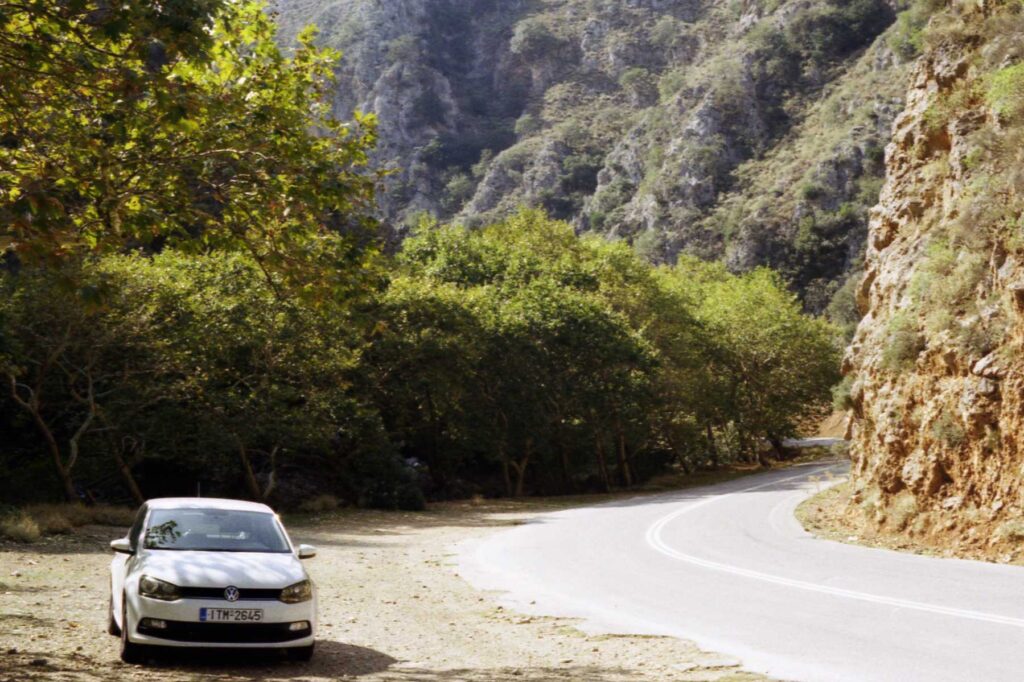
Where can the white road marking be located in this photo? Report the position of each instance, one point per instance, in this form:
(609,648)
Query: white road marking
(654,539)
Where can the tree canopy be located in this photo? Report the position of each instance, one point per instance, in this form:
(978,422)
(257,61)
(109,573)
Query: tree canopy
(146,125)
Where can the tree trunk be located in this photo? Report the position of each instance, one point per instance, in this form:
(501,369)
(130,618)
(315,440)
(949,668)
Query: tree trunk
(778,446)
(126,474)
(250,476)
(520,467)
(712,448)
(67,483)
(602,464)
(505,473)
(627,475)
(563,454)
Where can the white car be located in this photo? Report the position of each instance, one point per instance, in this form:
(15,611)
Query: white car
(201,572)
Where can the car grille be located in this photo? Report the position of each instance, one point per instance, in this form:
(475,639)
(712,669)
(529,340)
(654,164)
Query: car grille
(225,633)
(244,593)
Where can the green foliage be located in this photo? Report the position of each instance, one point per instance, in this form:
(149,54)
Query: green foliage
(404,49)
(640,85)
(834,28)
(842,309)
(1006,91)
(533,38)
(768,356)
(458,190)
(907,38)
(204,140)
(527,125)
(949,429)
(903,344)
(842,394)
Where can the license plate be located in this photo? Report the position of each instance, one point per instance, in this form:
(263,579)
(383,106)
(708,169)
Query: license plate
(207,615)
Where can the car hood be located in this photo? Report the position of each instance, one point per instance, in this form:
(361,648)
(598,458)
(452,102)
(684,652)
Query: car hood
(220,569)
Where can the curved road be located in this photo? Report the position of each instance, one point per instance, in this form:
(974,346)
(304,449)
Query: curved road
(730,567)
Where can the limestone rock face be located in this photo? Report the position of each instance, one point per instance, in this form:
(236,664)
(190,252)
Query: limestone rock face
(936,367)
(683,125)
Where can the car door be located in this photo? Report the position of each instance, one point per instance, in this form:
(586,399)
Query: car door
(120,565)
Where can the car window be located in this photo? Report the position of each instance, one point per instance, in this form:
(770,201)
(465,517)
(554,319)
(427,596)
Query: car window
(136,529)
(214,530)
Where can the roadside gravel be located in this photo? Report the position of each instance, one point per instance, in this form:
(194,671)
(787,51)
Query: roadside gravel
(392,607)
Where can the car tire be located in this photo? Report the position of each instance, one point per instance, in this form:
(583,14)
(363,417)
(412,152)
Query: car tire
(130,652)
(112,627)
(301,653)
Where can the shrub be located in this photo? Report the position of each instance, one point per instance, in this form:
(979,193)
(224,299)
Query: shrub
(458,190)
(1010,531)
(404,49)
(52,522)
(110,515)
(811,191)
(19,527)
(842,309)
(1006,91)
(903,346)
(533,39)
(841,394)
(527,124)
(319,504)
(948,429)
(671,82)
(640,85)
(61,518)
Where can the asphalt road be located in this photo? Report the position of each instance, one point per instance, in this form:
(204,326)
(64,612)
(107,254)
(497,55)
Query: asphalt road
(730,567)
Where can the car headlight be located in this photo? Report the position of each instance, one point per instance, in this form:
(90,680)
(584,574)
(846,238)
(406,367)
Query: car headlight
(155,588)
(299,592)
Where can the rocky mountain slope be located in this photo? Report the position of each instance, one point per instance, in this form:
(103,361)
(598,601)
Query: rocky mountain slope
(935,372)
(749,130)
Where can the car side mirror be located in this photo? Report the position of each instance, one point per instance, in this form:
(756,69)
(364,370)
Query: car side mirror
(307,551)
(122,546)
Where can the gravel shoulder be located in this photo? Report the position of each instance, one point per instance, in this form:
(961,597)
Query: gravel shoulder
(392,607)
(833,515)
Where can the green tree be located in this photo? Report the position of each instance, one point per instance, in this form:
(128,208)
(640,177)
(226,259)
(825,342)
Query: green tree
(770,363)
(185,124)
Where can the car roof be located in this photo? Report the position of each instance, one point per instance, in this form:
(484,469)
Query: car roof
(207,503)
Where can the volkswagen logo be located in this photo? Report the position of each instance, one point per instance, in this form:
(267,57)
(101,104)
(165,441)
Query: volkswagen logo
(231,593)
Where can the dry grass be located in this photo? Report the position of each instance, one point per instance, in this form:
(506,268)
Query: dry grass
(1010,531)
(319,504)
(32,522)
(76,515)
(20,527)
(900,523)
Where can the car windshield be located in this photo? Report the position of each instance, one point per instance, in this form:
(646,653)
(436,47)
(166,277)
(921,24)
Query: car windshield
(214,530)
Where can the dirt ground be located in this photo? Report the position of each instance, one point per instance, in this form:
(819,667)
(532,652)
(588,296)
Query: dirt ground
(392,607)
(831,515)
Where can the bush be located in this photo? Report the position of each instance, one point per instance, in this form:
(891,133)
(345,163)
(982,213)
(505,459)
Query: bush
(948,429)
(533,39)
(527,124)
(19,527)
(841,394)
(1010,531)
(61,518)
(1006,91)
(903,346)
(319,504)
(640,85)
(52,522)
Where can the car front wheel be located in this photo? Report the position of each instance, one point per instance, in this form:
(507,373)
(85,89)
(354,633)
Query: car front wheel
(130,652)
(300,653)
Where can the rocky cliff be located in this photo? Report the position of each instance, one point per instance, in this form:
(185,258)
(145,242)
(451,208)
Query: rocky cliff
(749,130)
(935,373)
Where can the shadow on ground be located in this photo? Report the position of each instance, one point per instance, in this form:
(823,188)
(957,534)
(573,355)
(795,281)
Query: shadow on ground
(333,660)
